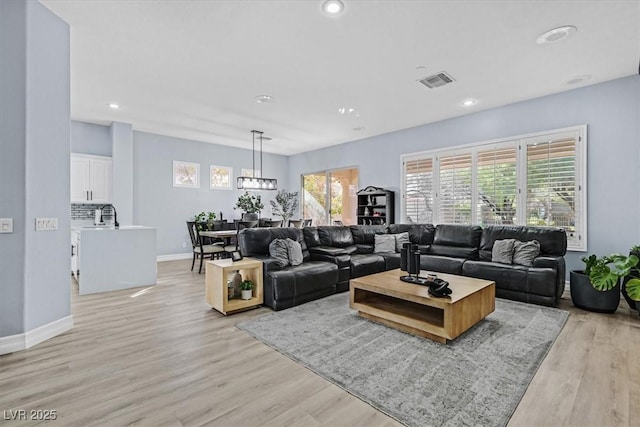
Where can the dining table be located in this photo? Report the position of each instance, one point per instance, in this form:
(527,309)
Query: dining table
(220,234)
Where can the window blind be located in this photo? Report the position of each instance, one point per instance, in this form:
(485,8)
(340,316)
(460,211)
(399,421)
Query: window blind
(418,206)
(496,183)
(454,195)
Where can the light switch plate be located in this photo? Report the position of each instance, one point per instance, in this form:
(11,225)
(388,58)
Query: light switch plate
(46,224)
(6,225)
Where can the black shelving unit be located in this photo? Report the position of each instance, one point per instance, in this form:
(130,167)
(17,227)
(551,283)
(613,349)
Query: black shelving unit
(375,206)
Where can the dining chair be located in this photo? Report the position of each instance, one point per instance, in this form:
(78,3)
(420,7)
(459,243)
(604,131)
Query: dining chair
(337,222)
(264,222)
(307,222)
(240,225)
(274,223)
(297,223)
(200,248)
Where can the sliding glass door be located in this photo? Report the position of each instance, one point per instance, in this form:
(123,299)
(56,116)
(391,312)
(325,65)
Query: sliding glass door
(329,197)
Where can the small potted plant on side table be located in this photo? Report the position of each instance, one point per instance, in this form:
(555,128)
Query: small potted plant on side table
(246,288)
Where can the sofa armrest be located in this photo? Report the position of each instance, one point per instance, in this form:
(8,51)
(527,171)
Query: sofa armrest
(268,263)
(546,262)
(341,261)
(327,250)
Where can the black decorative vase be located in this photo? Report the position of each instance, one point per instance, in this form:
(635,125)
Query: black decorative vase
(586,297)
(250,216)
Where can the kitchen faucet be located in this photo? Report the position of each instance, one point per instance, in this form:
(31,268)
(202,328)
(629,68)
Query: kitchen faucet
(115,215)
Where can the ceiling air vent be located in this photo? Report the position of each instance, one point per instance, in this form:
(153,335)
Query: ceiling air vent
(437,80)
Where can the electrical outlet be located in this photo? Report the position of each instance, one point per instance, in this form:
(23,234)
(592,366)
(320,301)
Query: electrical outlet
(46,224)
(6,225)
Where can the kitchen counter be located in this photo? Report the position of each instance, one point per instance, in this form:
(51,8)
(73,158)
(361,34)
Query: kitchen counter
(112,258)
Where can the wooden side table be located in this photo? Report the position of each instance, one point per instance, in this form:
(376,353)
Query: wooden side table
(220,271)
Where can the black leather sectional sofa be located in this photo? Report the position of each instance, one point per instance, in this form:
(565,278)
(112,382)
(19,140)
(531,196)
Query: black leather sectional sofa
(335,254)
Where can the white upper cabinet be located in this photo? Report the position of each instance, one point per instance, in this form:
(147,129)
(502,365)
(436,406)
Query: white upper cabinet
(90,179)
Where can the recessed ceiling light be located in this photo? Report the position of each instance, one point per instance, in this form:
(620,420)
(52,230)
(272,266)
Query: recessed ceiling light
(333,7)
(114,106)
(578,79)
(469,102)
(264,99)
(556,34)
(349,111)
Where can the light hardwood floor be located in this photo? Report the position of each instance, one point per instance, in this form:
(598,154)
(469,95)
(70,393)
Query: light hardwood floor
(162,357)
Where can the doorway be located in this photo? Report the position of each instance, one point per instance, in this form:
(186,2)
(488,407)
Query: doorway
(329,197)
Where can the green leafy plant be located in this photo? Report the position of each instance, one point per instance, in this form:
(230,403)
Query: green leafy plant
(246,285)
(633,284)
(604,272)
(285,205)
(249,203)
(635,249)
(203,219)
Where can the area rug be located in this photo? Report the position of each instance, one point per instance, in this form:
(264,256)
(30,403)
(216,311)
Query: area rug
(478,379)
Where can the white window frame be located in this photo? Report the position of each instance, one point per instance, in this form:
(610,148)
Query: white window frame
(230,173)
(196,184)
(577,243)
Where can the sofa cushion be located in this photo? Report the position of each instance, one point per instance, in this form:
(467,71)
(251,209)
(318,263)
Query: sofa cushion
(525,252)
(442,264)
(419,234)
(553,241)
(516,278)
(279,251)
(327,250)
(384,243)
(362,248)
(391,261)
(401,239)
(294,250)
(363,234)
(255,241)
(306,278)
(458,235)
(453,251)
(502,251)
(311,236)
(363,265)
(337,236)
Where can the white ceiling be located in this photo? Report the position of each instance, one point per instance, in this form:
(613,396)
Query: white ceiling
(192,69)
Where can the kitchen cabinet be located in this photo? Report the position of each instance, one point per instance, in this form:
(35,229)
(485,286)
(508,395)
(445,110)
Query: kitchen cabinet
(90,179)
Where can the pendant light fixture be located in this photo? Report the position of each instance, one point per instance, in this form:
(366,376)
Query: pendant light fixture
(254,182)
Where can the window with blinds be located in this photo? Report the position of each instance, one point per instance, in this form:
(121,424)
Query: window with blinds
(551,184)
(418,190)
(454,195)
(535,180)
(496,183)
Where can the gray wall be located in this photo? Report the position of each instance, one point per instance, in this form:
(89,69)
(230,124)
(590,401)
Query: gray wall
(89,138)
(34,266)
(611,110)
(157,203)
(13,39)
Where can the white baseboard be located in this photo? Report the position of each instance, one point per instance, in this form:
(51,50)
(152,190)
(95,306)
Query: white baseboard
(174,257)
(35,336)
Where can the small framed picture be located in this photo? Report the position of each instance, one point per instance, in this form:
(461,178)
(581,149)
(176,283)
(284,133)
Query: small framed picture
(236,256)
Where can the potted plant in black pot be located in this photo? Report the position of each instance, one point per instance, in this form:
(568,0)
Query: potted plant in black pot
(597,288)
(251,205)
(631,283)
(285,205)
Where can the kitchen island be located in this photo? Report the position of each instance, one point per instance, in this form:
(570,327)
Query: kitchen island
(112,258)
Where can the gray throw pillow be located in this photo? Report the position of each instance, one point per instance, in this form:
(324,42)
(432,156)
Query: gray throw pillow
(401,238)
(279,251)
(502,251)
(295,252)
(384,243)
(525,252)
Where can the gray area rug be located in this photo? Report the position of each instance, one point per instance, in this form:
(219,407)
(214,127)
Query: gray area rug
(478,379)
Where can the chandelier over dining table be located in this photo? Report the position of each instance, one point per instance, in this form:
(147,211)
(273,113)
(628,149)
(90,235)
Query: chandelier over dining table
(254,182)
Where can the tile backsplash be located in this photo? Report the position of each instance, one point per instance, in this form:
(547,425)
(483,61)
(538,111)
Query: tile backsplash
(83,211)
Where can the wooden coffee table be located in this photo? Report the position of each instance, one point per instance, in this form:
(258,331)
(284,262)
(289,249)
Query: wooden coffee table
(384,298)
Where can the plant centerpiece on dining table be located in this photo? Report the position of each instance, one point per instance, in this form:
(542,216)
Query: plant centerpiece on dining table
(249,204)
(285,205)
(204,220)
